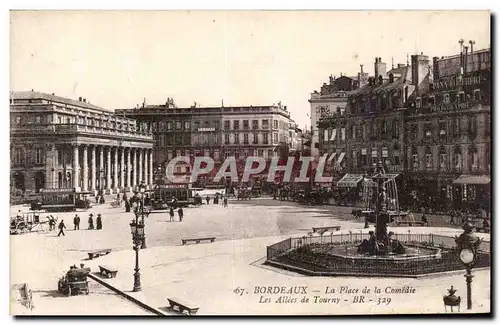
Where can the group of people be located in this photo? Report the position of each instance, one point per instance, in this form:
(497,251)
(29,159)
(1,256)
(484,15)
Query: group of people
(218,197)
(180,211)
(76,223)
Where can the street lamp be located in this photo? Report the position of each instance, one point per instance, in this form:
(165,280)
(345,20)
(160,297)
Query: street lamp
(140,210)
(468,244)
(137,230)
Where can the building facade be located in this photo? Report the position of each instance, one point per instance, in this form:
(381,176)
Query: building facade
(331,101)
(216,132)
(369,129)
(58,142)
(448,132)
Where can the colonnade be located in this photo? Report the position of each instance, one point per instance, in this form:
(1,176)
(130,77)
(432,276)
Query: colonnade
(111,168)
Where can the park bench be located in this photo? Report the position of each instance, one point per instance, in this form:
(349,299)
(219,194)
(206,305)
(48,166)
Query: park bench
(197,240)
(335,228)
(181,306)
(410,223)
(108,271)
(98,253)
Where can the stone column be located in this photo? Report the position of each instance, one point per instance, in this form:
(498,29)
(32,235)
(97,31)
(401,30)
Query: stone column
(85,173)
(129,167)
(115,168)
(101,167)
(122,169)
(108,169)
(145,176)
(93,170)
(76,167)
(139,170)
(134,168)
(151,172)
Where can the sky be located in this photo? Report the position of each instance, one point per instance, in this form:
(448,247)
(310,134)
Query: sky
(115,59)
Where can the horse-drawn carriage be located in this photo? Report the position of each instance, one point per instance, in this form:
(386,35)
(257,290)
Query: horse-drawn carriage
(74,282)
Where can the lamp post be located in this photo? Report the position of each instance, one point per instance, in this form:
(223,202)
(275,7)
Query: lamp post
(468,244)
(137,230)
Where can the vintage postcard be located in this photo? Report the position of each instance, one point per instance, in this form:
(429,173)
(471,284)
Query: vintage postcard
(169,163)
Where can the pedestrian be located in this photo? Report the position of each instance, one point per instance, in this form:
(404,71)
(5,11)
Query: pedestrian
(424,220)
(61,228)
(225,202)
(181,214)
(171,213)
(98,222)
(91,221)
(76,222)
(452,217)
(208,200)
(52,223)
(118,199)
(97,199)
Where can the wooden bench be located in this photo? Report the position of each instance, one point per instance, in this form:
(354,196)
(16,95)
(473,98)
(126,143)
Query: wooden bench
(108,271)
(181,306)
(410,223)
(98,253)
(486,230)
(316,229)
(197,240)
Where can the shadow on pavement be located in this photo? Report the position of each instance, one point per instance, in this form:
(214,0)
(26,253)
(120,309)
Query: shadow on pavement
(51,293)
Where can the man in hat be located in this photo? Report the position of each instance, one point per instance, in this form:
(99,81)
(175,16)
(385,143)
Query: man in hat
(98,222)
(91,221)
(61,228)
(76,222)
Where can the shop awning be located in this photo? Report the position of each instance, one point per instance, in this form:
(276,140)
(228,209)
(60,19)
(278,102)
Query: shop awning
(473,179)
(350,180)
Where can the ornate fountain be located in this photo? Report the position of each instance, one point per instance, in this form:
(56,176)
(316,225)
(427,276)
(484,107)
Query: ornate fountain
(381,242)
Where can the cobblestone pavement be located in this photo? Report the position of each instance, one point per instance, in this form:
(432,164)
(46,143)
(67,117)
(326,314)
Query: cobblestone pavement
(205,274)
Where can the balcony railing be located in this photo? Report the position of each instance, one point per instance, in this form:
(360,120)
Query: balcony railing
(70,128)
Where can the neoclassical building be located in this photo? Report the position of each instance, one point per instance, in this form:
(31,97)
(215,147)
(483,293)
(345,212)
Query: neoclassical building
(58,142)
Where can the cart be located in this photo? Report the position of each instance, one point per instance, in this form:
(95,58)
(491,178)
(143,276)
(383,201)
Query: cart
(74,282)
(28,222)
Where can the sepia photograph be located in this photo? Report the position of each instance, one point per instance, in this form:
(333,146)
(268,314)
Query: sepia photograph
(250,162)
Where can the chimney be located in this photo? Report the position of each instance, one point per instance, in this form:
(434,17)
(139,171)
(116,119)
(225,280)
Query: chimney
(85,100)
(465,58)
(419,68)
(380,68)
(361,68)
(79,99)
(472,49)
(435,70)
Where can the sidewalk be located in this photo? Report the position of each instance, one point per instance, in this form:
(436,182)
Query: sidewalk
(205,275)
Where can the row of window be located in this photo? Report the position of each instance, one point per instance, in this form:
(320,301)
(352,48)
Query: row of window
(246,138)
(78,120)
(453,128)
(384,130)
(18,156)
(246,124)
(448,98)
(472,161)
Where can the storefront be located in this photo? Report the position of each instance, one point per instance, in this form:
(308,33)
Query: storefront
(472,192)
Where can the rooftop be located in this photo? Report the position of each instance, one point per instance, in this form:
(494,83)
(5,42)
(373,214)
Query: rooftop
(27,95)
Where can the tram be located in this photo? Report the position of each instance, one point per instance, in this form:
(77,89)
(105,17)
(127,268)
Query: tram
(161,197)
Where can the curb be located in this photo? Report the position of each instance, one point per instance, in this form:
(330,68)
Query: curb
(135,301)
(347,274)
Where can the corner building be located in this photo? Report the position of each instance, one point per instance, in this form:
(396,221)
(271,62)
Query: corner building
(61,143)
(216,132)
(448,134)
